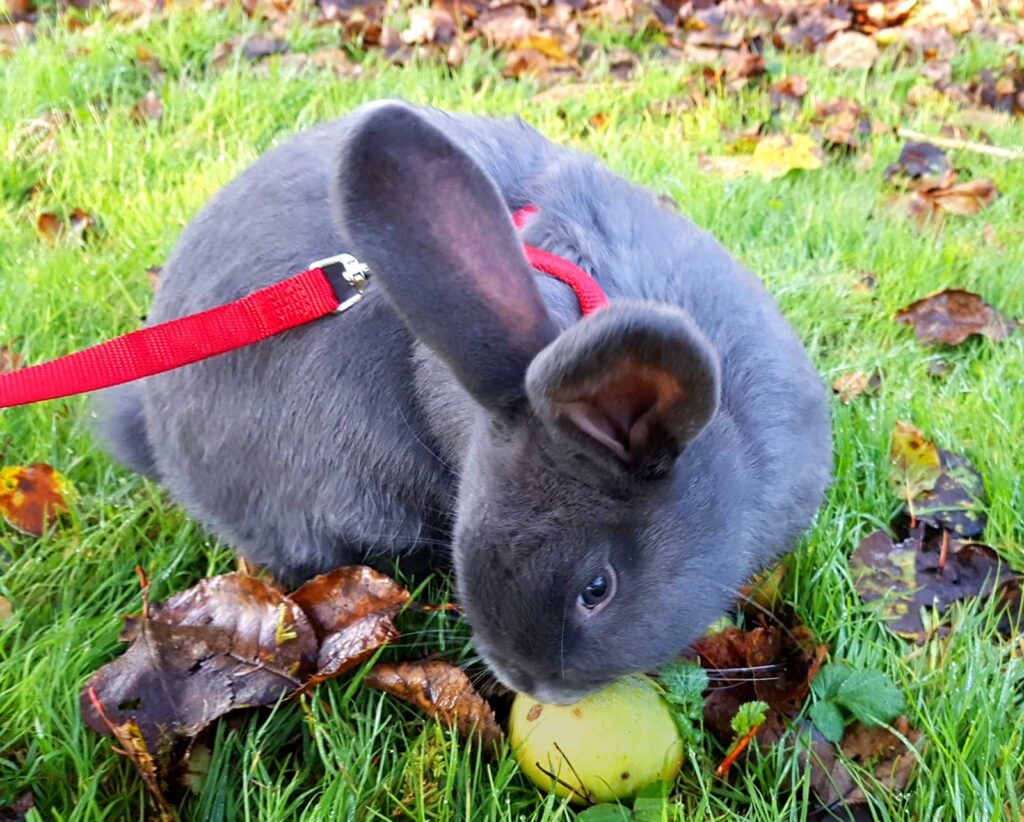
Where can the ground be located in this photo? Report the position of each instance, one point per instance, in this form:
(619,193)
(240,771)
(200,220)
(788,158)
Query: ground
(812,236)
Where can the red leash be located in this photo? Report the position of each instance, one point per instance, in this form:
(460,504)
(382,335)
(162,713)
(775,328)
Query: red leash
(300,299)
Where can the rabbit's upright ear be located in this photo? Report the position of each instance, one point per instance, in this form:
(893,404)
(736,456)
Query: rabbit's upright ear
(630,385)
(439,239)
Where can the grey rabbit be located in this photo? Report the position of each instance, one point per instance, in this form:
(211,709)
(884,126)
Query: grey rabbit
(604,484)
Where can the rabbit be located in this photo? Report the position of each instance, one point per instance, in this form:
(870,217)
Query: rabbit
(601,485)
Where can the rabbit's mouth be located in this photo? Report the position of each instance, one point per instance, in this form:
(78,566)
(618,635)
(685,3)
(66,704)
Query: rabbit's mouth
(551,690)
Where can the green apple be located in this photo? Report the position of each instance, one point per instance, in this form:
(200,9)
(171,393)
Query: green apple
(605,747)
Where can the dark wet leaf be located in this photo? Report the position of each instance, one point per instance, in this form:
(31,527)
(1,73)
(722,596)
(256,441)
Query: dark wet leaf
(259,46)
(906,577)
(919,160)
(953,315)
(32,497)
(18,810)
(442,690)
(230,642)
(957,501)
(352,610)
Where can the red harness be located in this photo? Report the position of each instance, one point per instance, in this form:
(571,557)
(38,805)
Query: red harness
(328,286)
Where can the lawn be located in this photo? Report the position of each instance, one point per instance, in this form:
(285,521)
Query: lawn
(350,753)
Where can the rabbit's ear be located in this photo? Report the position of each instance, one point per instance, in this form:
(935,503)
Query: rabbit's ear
(440,241)
(630,384)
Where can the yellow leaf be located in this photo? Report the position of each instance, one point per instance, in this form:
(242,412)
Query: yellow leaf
(915,464)
(778,154)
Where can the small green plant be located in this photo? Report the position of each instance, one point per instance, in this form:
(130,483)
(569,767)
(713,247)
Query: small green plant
(842,693)
(685,684)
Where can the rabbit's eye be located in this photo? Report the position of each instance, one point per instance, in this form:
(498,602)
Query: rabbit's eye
(598,590)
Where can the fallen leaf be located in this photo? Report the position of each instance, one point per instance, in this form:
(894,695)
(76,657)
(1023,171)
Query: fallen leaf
(229,642)
(6,610)
(10,360)
(850,50)
(442,690)
(905,577)
(778,154)
(150,107)
(32,497)
(914,465)
(773,663)
(505,26)
(352,611)
(773,156)
(919,159)
(18,811)
(258,46)
(956,503)
(877,749)
(842,123)
(429,25)
(951,316)
(791,89)
(49,226)
(133,747)
(933,199)
(855,383)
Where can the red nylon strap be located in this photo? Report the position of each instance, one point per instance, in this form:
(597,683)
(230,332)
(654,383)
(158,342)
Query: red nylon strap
(149,351)
(298,300)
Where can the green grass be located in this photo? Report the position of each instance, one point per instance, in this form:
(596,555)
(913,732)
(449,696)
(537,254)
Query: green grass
(355,754)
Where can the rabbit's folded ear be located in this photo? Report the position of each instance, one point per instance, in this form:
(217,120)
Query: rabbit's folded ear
(439,239)
(630,385)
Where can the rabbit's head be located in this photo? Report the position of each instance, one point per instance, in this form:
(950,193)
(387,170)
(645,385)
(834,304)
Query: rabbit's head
(592,525)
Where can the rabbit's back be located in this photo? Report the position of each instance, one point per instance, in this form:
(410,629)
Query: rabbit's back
(314,448)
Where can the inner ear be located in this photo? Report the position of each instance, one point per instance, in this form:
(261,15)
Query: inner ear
(622,413)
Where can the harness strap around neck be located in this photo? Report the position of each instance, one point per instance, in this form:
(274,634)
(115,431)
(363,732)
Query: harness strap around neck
(298,300)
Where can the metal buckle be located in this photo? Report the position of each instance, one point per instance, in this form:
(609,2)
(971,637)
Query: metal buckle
(353,274)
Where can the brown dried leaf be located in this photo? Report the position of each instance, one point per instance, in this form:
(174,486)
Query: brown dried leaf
(49,226)
(429,25)
(10,360)
(850,50)
(33,497)
(774,663)
(229,642)
(6,609)
(905,577)
(150,107)
(791,89)
(951,316)
(443,691)
(352,611)
(505,26)
(877,749)
(855,383)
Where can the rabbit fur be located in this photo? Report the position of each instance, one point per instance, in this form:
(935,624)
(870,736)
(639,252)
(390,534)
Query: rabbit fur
(603,485)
